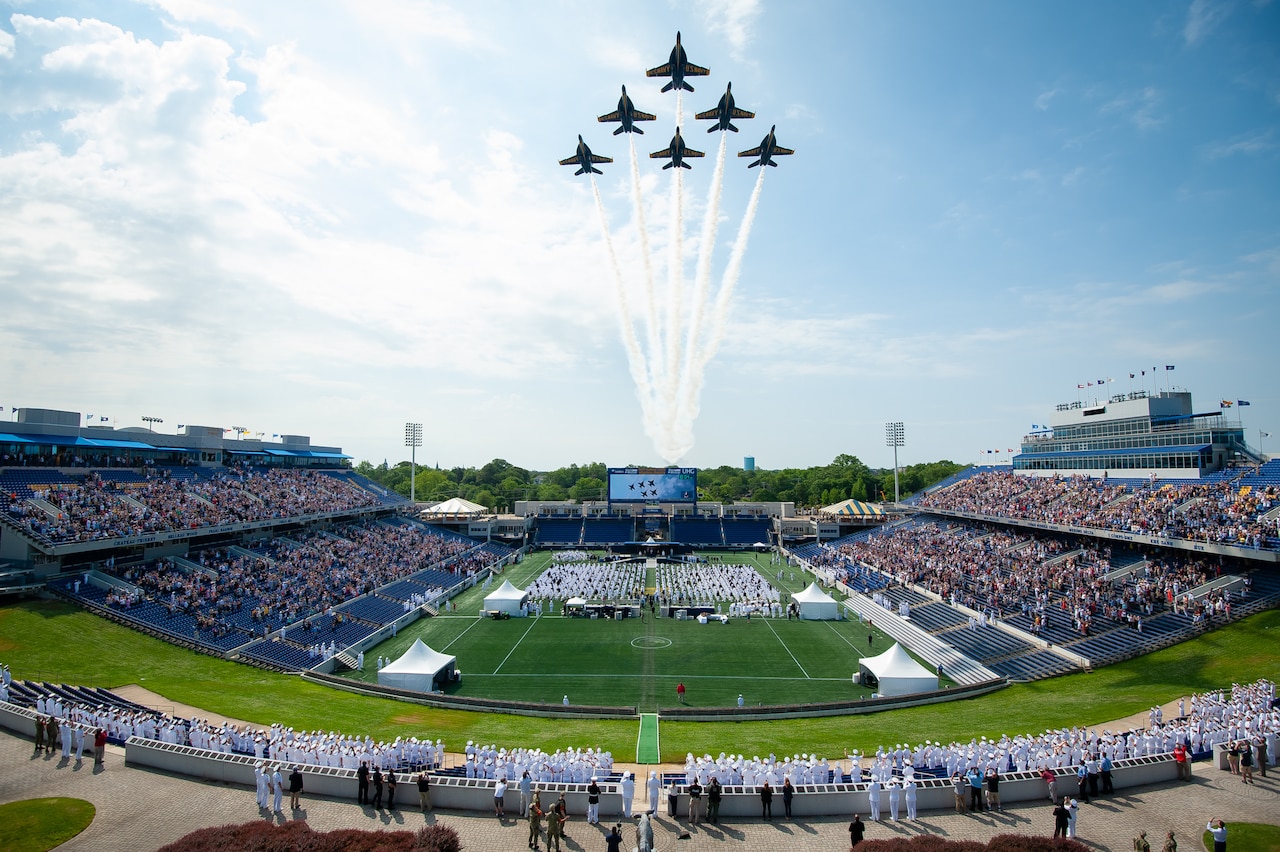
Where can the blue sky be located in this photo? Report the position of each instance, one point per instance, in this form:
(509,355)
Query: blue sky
(329,219)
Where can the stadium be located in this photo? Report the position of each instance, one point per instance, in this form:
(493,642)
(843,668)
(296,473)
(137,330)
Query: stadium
(651,609)
(776,231)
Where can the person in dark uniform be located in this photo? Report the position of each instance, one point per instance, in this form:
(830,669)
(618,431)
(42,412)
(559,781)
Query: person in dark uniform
(362,783)
(788,793)
(857,829)
(766,802)
(391,790)
(377,788)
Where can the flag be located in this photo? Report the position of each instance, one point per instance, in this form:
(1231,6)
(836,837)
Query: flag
(1168,366)
(88,417)
(1109,379)
(1242,402)
(1226,403)
(1144,372)
(1132,376)
(182,425)
(1011,451)
(1265,434)
(1102,381)
(103,419)
(1079,386)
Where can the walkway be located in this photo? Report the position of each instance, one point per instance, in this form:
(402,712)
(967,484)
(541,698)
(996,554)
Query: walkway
(142,810)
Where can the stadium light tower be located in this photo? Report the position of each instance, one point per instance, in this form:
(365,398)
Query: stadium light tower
(151,422)
(413,440)
(895,437)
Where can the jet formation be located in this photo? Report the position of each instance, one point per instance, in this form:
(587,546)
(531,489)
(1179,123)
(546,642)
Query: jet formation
(724,112)
(677,68)
(766,151)
(583,159)
(676,152)
(628,115)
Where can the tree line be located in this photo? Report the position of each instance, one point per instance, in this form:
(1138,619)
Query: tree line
(499,484)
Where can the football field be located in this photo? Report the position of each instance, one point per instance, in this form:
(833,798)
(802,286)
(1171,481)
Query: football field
(639,661)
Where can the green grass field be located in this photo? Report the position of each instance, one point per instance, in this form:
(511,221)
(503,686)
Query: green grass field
(638,661)
(43,640)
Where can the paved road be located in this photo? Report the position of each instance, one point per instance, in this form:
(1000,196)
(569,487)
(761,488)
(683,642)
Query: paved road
(142,810)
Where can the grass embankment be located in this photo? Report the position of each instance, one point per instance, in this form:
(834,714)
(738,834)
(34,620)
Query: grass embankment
(34,825)
(59,642)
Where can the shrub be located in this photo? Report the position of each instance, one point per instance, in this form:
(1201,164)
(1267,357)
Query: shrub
(1032,843)
(262,836)
(438,838)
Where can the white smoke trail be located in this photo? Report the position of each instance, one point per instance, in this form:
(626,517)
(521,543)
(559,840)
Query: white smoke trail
(635,357)
(692,402)
(702,278)
(653,334)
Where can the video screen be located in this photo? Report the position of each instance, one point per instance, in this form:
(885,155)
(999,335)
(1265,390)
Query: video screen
(653,485)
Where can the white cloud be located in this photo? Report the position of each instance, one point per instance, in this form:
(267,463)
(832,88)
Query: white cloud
(1203,16)
(6,44)
(1043,99)
(1141,107)
(1253,143)
(733,19)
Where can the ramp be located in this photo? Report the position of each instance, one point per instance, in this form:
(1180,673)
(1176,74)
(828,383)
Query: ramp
(647,743)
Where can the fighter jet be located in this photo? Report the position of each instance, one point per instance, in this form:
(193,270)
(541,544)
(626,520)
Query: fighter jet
(627,113)
(723,112)
(583,159)
(766,151)
(677,68)
(677,152)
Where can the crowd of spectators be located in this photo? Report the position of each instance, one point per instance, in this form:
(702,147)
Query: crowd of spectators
(98,508)
(1001,573)
(297,582)
(1221,512)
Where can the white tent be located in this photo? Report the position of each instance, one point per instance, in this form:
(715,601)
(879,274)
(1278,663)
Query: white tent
(506,598)
(455,506)
(816,605)
(419,668)
(896,673)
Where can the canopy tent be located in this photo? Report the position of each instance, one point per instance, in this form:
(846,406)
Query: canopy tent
(816,605)
(895,673)
(456,506)
(506,598)
(419,668)
(853,509)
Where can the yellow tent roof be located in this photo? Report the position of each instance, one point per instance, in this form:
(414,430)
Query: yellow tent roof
(854,508)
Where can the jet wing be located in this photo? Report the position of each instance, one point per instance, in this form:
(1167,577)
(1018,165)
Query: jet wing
(781,152)
(739,113)
(712,114)
(596,158)
(664,154)
(637,115)
(754,152)
(569,161)
(662,71)
(691,70)
(689,152)
(616,115)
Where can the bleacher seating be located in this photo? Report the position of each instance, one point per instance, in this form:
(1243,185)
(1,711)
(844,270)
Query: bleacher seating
(601,532)
(744,532)
(559,532)
(699,532)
